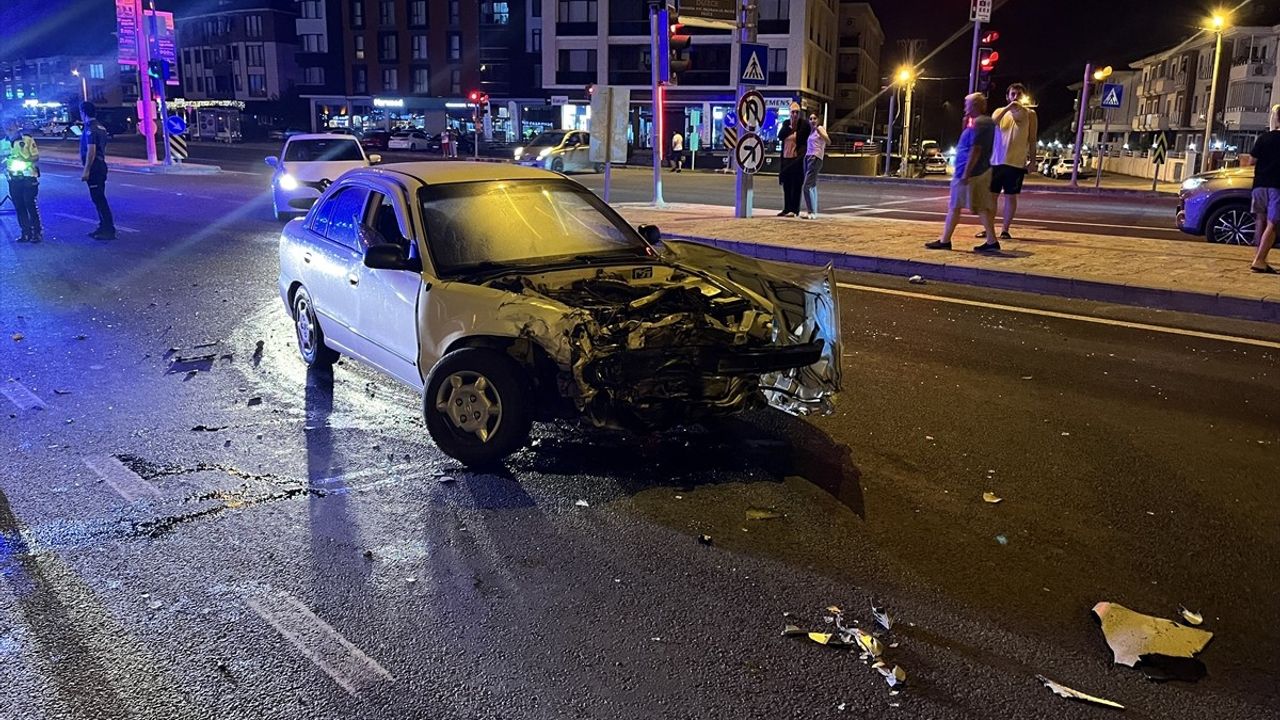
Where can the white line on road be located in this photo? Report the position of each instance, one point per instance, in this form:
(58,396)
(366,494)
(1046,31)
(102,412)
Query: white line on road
(127,483)
(318,641)
(20,396)
(82,219)
(1068,316)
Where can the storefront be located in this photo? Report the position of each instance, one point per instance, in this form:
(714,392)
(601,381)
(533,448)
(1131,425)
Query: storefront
(507,121)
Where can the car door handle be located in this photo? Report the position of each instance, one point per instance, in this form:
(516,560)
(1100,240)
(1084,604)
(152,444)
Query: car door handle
(306,257)
(354,280)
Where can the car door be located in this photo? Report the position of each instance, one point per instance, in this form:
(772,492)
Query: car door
(331,264)
(578,155)
(388,299)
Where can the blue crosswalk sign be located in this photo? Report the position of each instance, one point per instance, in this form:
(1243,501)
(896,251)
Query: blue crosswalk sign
(753,64)
(1112,95)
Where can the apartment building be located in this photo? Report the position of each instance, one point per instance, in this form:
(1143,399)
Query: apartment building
(587,42)
(858,43)
(246,52)
(1113,126)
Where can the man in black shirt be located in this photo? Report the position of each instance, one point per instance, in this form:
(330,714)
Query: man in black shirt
(1266,191)
(93,155)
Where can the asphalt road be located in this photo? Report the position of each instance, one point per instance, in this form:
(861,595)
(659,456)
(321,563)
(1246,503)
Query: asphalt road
(251,541)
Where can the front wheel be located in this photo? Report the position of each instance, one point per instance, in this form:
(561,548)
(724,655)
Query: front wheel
(476,406)
(1232,225)
(557,165)
(307,329)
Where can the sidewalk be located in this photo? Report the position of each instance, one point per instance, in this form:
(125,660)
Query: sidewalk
(1035,182)
(72,156)
(1184,276)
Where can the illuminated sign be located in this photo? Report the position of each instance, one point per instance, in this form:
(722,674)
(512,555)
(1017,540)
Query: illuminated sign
(388,102)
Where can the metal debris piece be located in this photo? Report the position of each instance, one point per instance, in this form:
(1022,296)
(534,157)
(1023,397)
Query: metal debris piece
(1131,635)
(916,280)
(990,497)
(868,643)
(882,616)
(1066,692)
(1192,618)
(583,503)
(895,675)
(760,513)
(704,539)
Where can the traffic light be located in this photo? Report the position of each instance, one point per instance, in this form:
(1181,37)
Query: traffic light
(988,56)
(677,46)
(158,69)
(474,97)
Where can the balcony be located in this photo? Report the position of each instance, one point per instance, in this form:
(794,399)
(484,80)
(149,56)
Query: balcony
(1255,71)
(1246,118)
(1147,122)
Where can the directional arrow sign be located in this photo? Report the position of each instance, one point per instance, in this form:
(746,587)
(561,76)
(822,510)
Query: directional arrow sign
(751,109)
(750,153)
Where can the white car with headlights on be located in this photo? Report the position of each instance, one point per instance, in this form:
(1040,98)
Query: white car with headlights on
(306,166)
(559,151)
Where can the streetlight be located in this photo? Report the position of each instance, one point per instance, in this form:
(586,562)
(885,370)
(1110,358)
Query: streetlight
(84,86)
(1218,23)
(906,77)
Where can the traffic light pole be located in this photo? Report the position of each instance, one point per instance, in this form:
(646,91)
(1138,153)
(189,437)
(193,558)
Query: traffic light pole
(160,89)
(1084,107)
(744,182)
(148,115)
(973,58)
(659,22)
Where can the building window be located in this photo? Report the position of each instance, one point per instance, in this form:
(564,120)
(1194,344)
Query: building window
(313,76)
(359,46)
(455,82)
(387,47)
(360,79)
(257,85)
(495,13)
(389,79)
(421,80)
(455,15)
(357,14)
(455,47)
(253,56)
(777,66)
(96,71)
(239,84)
(537,8)
(200,83)
(311,9)
(419,47)
(535,40)
(253,26)
(577,11)
(314,44)
(418,12)
(576,66)
(387,12)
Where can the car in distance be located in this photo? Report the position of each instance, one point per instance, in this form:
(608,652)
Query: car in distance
(375,140)
(559,151)
(1217,205)
(506,294)
(307,165)
(408,140)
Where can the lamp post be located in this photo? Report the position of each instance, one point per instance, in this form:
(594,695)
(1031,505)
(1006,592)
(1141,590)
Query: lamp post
(84,86)
(1217,23)
(907,77)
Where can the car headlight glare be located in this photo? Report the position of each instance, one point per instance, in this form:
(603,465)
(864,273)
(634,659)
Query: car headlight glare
(1193,182)
(544,153)
(288,182)
(519,152)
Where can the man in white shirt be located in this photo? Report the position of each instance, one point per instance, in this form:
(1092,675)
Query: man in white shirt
(677,152)
(1013,153)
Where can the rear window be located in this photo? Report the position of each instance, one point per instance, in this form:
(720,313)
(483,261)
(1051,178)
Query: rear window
(327,149)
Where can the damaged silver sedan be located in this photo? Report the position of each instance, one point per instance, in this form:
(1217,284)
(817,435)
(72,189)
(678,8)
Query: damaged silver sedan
(508,295)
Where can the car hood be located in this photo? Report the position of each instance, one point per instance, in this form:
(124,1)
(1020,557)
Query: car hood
(316,171)
(1228,174)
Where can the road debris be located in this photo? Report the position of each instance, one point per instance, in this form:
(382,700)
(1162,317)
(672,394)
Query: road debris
(208,428)
(445,479)
(1002,539)
(1068,693)
(881,616)
(583,503)
(895,675)
(1192,618)
(792,630)
(990,497)
(704,539)
(1132,635)
(760,513)
(59,391)
(916,280)
(17,337)
(254,401)
(869,644)
(871,649)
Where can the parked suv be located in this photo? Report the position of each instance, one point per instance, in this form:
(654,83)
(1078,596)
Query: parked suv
(1216,205)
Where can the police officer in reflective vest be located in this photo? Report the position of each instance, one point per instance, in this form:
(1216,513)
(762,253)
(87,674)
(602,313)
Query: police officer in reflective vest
(23,171)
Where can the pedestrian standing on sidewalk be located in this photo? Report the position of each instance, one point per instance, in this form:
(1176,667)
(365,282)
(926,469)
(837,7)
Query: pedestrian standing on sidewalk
(817,149)
(677,152)
(787,137)
(1266,191)
(93,155)
(792,172)
(23,170)
(1015,150)
(971,184)
(445,142)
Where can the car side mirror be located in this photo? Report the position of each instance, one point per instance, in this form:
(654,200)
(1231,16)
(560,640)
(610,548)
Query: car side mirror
(375,159)
(390,256)
(302,203)
(651,234)
(272,160)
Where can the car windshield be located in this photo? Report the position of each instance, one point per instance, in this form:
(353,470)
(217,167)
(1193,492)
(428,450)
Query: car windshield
(521,223)
(328,149)
(547,139)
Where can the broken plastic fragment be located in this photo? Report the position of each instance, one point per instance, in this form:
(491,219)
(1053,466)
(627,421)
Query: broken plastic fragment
(821,638)
(868,643)
(916,280)
(704,539)
(895,676)
(792,630)
(835,610)
(990,497)
(1131,635)
(17,337)
(882,616)
(1066,692)
(445,479)
(583,503)
(1002,539)
(759,513)
(1192,618)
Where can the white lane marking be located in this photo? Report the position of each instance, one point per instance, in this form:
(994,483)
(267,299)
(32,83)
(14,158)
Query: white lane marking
(319,642)
(83,219)
(131,185)
(1068,316)
(127,483)
(193,195)
(20,396)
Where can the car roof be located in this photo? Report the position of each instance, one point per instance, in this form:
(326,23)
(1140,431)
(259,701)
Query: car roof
(319,136)
(440,173)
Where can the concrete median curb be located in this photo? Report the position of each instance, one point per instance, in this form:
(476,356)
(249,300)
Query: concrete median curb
(1223,304)
(185,168)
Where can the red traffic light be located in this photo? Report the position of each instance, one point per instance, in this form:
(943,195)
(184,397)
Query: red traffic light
(474,96)
(990,37)
(679,41)
(989,60)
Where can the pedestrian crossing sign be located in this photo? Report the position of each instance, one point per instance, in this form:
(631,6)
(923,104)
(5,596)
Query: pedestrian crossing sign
(1112,95)
(753,65)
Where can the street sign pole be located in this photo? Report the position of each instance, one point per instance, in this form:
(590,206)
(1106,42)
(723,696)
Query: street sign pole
(148,115)
(1084,106)
(888,144)
(160,87)
(904,170)
(973,57)
(744,186)
(658,25)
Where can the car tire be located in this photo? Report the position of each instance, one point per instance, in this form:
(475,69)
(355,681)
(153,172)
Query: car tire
(492,392)
(413,147)
(307,332)
(557,165)
(1231,224)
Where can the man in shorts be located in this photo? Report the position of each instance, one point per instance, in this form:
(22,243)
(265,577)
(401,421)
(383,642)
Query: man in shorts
(1266,191)
(1014,151)
(971,184)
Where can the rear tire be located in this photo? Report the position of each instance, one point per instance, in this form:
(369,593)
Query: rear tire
(310,337)
(1231,225)
(476,406)
(557,165)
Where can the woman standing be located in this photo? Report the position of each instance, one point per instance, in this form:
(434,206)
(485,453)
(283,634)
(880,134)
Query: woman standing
(787,136)
(791,174)
(813,155)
